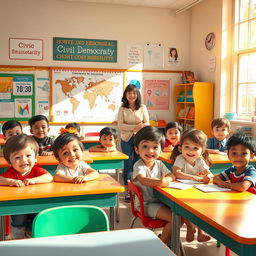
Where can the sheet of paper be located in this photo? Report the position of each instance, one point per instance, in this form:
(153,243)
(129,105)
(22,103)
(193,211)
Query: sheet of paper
(179,185)
(190,181)
(211,188)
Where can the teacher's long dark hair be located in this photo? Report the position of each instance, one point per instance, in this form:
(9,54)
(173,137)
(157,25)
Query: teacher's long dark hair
(131,87)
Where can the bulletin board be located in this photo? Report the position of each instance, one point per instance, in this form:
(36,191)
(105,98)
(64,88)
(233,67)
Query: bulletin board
(17,96)
(85,95)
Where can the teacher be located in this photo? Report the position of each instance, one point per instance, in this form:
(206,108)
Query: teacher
(132,116)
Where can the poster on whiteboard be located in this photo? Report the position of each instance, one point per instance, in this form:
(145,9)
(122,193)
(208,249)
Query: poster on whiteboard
(157,94)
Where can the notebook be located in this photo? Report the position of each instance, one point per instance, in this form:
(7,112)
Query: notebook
(211,188)
(179,185)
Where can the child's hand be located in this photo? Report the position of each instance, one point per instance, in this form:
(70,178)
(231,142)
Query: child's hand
(29,182)
(16,183)
(206,179)
(165,181)
(220,183)
(79,179)
(197,178)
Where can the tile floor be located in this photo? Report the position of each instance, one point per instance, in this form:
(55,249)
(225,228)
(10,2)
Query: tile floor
(191,249)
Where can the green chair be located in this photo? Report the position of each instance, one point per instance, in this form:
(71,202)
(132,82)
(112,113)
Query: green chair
(65,220)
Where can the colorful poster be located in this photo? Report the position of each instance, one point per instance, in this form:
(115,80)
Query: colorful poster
(17,97)
(77,49)
(153,56)
(22,86)
(23,108)
(157,94)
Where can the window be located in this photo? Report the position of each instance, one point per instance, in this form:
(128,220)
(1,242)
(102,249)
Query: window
(245,58)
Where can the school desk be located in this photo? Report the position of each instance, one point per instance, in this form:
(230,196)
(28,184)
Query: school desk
(109,160)
(220,162)
(229,217)
(118,242)
(90,141)
(48,162)
(34,198)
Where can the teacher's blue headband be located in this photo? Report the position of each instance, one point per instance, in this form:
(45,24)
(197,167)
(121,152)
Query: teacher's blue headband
(136,83)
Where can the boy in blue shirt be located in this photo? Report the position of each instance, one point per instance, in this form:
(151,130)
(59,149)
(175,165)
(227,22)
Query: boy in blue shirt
(240,176)
(220,128)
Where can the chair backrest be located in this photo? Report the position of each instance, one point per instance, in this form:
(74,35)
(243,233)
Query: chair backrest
(139,212)
(92,134)
(134,190)
(65,220)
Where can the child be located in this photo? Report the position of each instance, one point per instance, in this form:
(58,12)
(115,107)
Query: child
(172,133)
(20,151)
(68,150)
(108,139)
(39,127)
(189,164)
(220,129)
(11,128)
(78,129)
(240,176)
(149,172)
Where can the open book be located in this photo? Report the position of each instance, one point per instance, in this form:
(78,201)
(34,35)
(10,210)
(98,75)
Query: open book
(179,185)
(211,188)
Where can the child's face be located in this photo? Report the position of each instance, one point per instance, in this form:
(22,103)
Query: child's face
(149,151)
(131,97)
(173,135)
(23,160)
(40,129)
(11,132)
(191,151)
(220,133)
(239,156)
(71,154)
(107,141)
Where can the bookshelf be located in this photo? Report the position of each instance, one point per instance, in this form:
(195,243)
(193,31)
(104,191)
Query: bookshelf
(194,105)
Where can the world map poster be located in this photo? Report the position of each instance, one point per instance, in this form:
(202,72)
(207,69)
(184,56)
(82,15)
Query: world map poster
(86,95)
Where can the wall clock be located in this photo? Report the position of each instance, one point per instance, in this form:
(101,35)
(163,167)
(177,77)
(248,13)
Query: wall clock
(210,41)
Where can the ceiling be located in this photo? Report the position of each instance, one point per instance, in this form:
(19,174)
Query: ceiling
(177,5)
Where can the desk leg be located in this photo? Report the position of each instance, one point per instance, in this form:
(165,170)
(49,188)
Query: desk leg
(117,200)
(175,241)
(112,218)
(2,226)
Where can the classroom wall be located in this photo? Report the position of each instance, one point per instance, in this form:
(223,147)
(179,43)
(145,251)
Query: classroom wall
(206,17)
(45,19)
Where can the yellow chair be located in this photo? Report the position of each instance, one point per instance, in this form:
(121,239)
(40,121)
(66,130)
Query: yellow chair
(65,220)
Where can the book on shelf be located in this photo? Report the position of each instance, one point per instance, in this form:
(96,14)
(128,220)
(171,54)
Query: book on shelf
(181,113)
(191,113)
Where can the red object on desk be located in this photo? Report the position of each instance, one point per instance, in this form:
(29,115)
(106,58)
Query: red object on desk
(92,134)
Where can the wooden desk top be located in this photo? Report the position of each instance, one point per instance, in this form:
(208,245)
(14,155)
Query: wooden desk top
(107,155)
(216,158)
(233,213)
(104,184)
(47,160)
(118,242)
